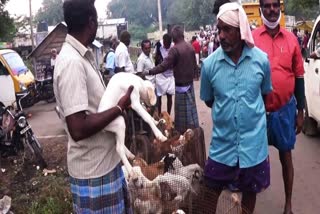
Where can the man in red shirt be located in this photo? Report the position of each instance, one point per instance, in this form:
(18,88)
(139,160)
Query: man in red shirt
(197,48)
(287,97)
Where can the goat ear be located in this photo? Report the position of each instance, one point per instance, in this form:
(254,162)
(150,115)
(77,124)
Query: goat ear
(151,96)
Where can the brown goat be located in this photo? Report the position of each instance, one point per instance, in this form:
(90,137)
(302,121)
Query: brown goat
(174,144)
(149,171)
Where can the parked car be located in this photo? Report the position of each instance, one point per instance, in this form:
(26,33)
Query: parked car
(7,93)
(312,84)
(21,76)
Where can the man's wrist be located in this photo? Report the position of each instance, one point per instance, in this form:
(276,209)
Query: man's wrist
(120,109)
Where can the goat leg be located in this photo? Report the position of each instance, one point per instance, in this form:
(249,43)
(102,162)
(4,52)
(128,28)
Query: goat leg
(129,154)
(121,149)
(136,106)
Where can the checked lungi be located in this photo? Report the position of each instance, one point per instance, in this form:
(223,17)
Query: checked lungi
(185,111)
(106,194)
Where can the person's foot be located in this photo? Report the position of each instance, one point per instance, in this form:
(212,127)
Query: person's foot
(287,209)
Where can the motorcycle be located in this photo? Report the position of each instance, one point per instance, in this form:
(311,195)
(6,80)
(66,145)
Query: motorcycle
(16,134)
(43,89)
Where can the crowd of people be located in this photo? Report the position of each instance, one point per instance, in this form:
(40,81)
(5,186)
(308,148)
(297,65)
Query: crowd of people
(303,40)
(205,42)
(252,82)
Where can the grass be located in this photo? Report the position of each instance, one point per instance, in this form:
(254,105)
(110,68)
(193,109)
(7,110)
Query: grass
(53,198)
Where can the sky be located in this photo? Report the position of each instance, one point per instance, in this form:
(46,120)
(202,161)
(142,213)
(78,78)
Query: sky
(21,7)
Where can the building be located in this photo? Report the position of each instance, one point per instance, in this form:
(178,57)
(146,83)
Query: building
(41,55)
(111,27)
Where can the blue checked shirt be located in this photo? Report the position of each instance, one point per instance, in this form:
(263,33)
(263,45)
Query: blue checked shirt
(238,111)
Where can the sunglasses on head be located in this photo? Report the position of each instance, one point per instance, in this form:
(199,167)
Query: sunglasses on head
(269,5)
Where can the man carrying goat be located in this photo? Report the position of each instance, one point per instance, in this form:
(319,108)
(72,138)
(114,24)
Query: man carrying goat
(93,163)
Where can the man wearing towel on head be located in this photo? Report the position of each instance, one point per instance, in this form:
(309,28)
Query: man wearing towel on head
(234,80)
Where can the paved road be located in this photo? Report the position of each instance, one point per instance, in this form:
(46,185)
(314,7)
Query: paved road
(306,159)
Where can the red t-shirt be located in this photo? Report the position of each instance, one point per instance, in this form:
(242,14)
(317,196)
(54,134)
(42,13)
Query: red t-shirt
(286,64)
(196,46)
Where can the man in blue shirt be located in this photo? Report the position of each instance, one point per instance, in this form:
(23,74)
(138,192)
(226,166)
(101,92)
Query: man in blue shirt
(109,59)
(233,81)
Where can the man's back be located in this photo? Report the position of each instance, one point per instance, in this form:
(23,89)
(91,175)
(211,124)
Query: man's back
(196,46)
(185,62)
(109,61)
(122,58)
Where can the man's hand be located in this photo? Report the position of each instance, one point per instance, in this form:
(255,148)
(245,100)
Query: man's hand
(145,73)
(125,100)
(299,121)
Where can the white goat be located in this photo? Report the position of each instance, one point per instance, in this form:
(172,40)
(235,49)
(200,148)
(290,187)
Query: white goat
(144,90)
(178,185)
(145,194)
(193,173)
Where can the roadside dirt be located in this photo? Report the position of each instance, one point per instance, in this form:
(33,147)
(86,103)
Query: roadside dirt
(31,191)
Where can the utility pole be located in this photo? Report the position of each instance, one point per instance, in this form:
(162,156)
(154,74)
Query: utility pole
(160,17)
(31,26)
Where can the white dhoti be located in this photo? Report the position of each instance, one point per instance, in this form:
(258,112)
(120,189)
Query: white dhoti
(197,58)
(164,85)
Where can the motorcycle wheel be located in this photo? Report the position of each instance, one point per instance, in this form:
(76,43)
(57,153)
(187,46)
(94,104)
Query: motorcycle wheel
(37,151)
(49,94)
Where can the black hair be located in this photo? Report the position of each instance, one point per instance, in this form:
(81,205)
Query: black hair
(177,33)
(261,3)
(125,36)
(145,41)
(77,14)
(167,37)
(107,43)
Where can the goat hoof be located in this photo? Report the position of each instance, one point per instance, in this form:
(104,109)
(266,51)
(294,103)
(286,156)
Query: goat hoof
(166,133)
(133,174)
(132,158)
(162,138)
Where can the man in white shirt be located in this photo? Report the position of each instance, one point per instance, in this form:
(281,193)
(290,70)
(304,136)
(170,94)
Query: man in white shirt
(145,62)
(54,55)
(164,81)
(122,57)
(93,163)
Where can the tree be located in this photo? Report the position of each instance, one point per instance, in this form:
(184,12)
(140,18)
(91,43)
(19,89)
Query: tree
(192,13)
(138,12)
(50,12)
(306,9)
(141,15)
(7,28)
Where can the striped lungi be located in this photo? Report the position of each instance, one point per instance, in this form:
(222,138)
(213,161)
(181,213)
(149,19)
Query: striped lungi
(185,111)
(106,194)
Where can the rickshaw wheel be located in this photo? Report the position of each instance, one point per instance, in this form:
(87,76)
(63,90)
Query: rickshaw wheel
(141,148)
